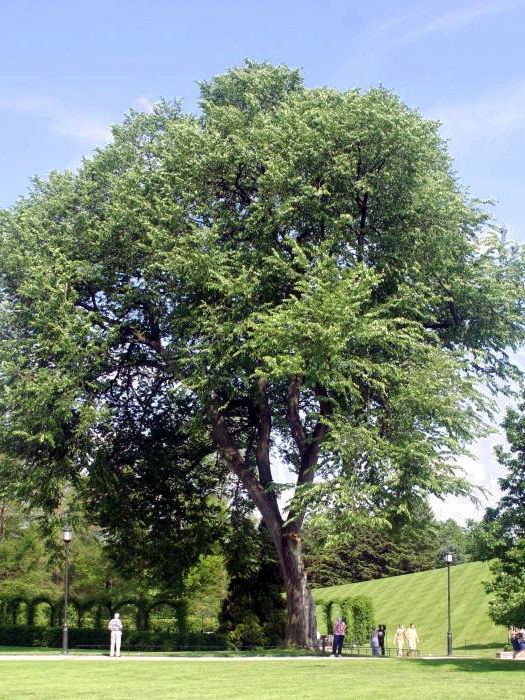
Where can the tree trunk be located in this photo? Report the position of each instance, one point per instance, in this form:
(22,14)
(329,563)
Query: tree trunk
(301,627)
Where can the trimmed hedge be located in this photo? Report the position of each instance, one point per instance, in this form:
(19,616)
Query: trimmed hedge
(25,636)
(357,612)
(335,611)
(362,611)
(320,615)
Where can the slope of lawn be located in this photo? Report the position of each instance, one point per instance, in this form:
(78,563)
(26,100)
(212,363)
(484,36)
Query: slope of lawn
(422,599)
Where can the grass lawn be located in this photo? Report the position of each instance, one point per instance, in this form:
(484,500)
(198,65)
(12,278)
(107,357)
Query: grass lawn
(262,680)
(421,598)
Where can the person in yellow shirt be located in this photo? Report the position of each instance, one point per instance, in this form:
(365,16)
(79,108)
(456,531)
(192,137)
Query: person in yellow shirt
(399,639)
(412,639)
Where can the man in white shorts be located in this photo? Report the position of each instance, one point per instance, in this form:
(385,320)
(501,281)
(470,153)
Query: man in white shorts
(115,627)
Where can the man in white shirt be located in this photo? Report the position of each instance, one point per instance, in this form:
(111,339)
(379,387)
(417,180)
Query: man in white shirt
(115,627)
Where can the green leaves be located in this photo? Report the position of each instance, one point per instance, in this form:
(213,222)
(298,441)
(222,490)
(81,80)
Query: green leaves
(307,237)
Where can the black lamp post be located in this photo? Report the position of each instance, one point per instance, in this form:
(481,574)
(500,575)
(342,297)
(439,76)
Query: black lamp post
(449,558)
(67,540)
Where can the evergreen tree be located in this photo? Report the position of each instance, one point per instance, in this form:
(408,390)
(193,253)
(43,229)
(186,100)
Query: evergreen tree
(253,611)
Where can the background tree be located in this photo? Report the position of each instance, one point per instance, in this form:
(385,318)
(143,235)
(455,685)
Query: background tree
(253,612)
(297,270)
(338,552)
(32,565)
(504,528)
(483,537)
(152,488)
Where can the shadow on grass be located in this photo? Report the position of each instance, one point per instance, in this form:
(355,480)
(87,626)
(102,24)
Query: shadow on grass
(473,647)
(475,665)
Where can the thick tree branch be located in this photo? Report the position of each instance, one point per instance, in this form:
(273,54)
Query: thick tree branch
(362,204)
(292,415)
(264,500)
(311,455)
(264,426)
(309,458)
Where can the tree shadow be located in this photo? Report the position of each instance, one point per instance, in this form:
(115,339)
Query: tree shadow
(498,646)
(475,665)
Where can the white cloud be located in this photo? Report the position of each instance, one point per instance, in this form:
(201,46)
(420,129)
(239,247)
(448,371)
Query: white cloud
(145,104)
(60,118)
(463,509)
(398,31)
(492,116)
(456,19)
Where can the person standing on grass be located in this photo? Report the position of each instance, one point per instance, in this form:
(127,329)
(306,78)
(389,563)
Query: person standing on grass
(399,639)
(339,637)
(381,633)
(412,639)
(115,627)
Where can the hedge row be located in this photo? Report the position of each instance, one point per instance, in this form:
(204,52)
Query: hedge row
(94,611)
(25,636)
(357,612)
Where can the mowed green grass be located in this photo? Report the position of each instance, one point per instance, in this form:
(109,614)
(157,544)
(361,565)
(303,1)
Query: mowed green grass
(262,680)
(422,599)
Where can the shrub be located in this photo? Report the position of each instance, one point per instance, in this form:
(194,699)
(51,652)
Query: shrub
(99,638)
(248,634)
(274,629)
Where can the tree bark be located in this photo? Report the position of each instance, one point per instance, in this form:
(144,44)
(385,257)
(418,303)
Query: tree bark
(301,630)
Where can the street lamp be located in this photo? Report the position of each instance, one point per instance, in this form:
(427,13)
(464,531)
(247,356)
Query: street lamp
(67,539)
(449,558)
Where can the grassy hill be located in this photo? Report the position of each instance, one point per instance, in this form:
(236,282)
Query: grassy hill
(422,599)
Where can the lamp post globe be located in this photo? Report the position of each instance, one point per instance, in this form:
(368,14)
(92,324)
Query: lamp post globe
(67,536)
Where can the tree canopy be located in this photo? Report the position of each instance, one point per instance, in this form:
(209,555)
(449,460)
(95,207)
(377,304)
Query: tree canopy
(296,274)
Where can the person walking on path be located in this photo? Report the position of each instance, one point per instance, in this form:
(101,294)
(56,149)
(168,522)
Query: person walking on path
(412,639)
(115,627)
(381,633)
(339,637)
(399,639)
(374,643)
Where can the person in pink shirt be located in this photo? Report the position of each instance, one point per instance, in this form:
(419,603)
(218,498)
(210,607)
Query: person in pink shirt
(339,637)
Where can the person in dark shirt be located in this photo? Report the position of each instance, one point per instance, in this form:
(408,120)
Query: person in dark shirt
(381,634)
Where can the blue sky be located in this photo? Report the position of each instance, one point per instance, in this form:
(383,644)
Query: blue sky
(69,69)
